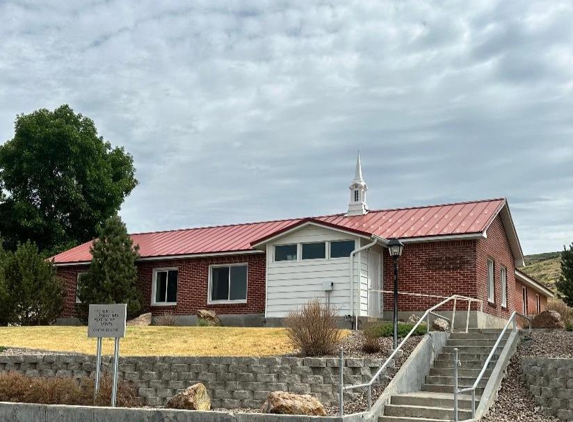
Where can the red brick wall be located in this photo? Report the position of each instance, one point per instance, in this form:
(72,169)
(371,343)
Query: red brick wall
(433,268)
(531,299)
(192,286)
(496,247)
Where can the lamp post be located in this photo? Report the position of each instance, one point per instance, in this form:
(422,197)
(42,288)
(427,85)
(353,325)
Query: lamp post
(395,248)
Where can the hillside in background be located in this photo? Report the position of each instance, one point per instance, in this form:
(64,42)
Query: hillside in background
(544,267)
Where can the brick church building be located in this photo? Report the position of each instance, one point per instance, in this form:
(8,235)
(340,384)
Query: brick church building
(256,273)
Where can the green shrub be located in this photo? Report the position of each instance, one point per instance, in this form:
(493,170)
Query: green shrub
(15,387)
(386,329)
(313,329)
(201,322)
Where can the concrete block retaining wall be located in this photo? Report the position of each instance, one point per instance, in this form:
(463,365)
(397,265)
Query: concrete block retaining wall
(232,382)
(551,382)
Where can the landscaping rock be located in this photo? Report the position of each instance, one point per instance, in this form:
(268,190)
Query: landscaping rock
(141,321)
(548,319)
(292,404)
(413,319)
(440,324)
(194,398)
(209,316)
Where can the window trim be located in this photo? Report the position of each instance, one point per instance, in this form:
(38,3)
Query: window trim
(491,283)
(78,275)
(538,303)
(154,285)
(503,283)
(525,299)
(228,301)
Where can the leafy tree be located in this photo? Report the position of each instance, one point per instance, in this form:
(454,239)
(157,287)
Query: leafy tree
(61,180)
(565,283)
(112,276)
(36,295)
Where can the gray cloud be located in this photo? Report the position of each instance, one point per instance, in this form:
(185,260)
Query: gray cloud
(251,110)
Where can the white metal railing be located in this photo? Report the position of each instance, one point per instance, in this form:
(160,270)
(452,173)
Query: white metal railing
(457,391)
(425,316)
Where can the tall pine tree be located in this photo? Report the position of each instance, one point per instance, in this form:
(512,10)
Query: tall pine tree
(565,283)
(112,276)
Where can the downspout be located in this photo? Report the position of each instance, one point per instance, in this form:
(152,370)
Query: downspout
(352,301)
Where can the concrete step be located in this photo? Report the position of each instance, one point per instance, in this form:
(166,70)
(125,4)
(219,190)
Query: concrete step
(465,364)
(475,350)
(405,419)
(487,330)
(441,388)
(474,342)
(478,336)
(449,380)
(439,413)
(462,372)
(468,355)
(429,399)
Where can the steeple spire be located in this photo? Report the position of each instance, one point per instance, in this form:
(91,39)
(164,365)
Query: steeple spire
(358,188)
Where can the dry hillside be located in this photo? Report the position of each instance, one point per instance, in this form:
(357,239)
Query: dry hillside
(545,267)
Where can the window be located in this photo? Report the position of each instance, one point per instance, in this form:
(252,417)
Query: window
(228,283)
(524,293)
(313,250)
(165,286)
(285,253)
(490,281)
(341,249)
(356,196)
(504,287)
(78,281)
(537,303)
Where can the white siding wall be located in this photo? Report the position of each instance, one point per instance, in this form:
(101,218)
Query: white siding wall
(291,284)
(371,267)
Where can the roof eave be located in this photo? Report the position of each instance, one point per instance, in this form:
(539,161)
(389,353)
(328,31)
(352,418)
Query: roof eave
(510,232)
(534,284)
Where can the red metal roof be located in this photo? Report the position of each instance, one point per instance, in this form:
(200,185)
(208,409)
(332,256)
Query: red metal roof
(436,220)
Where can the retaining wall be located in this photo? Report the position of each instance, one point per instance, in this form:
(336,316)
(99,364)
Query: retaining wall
(551,382)
(231,382)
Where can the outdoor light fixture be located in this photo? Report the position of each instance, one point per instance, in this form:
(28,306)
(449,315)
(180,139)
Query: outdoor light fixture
(395,248)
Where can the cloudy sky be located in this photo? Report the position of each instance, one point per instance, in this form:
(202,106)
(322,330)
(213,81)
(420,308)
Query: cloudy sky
(240,111)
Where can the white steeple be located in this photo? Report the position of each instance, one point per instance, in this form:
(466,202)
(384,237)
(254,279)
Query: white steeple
(358,188)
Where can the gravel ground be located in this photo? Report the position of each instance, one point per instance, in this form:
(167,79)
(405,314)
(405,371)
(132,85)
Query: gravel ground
(19,351)
(515,402)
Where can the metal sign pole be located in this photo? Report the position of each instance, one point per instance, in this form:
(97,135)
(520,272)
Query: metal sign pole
(98,367)
(115,371)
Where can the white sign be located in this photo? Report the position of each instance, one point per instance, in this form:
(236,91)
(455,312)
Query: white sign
(107,320)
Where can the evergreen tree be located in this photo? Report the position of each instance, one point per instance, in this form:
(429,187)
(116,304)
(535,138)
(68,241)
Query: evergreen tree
(35,294)
(5,304)
(112,276)
(565,283)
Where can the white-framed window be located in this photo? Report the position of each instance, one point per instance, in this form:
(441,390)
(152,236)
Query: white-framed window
(524,293)
(341,248)
(503,280)
(228,283)
(314,250)
(286,252)
(538,303)
(78,281)
(356,195)
(164,291)
(490,281)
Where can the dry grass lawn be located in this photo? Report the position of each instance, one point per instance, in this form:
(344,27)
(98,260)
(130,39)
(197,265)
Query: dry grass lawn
(155,341)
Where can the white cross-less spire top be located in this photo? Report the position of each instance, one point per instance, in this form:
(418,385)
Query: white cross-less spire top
(358,188)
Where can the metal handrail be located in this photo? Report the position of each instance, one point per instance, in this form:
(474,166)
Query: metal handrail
(391,357)
(457,391)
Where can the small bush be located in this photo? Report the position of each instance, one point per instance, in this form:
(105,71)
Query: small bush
(201,322)
(313,330)
(168,319)
(371,343)
(561,307)
(386,329)
(15,387)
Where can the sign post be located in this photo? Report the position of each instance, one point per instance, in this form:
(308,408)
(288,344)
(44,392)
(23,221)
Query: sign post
(107,321)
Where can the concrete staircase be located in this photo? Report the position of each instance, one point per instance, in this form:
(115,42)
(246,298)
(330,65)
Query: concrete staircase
(435,401)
